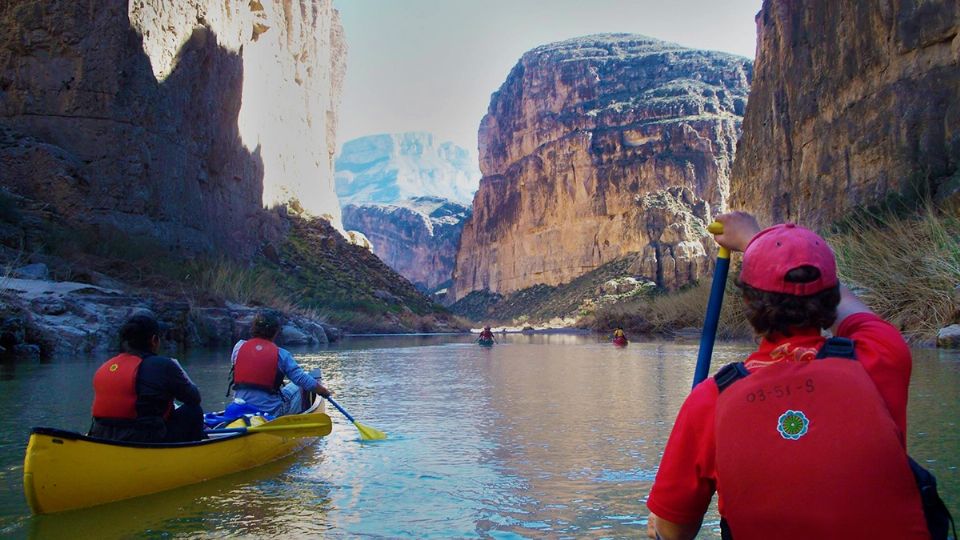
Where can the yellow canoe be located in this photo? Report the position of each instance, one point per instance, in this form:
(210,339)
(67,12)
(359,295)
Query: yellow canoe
(64,470)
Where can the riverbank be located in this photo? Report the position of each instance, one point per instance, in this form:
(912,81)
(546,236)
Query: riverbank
(67,286)
(902,260)
(40,317)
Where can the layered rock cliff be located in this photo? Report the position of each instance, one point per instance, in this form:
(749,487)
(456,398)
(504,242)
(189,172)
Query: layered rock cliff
(580,142)
(407,193)
(388,168)
(417,237)
(850,102)
(179,121)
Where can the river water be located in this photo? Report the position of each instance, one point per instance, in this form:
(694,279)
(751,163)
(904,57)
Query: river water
(542,436)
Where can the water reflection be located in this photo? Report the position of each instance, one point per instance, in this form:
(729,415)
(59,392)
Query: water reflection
(543,435)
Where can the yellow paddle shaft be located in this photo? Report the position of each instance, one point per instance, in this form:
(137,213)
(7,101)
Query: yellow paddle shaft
(717,228)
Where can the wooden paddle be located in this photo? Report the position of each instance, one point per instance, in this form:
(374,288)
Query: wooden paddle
(294,425)
(367,433)
(712,317)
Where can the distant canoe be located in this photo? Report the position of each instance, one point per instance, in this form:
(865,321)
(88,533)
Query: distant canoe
(620,341)
(64,470)
(485,342)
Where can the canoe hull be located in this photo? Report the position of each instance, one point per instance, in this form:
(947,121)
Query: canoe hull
(620,341)
(65,470)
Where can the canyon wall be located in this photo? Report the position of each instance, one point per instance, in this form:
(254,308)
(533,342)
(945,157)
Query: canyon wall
(417,237)
(407,193)
(585,148)
(179,121)
(851,102)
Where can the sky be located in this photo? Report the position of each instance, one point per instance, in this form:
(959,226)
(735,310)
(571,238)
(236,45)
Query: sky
(431,65)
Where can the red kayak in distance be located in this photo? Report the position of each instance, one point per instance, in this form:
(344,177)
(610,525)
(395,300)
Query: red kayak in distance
(620,341)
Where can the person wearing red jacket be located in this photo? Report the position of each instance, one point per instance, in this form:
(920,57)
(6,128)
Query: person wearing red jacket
(794,446)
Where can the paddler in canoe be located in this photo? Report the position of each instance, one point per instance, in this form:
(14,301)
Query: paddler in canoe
(134,391)
(486,337)
(140,445)
(619,337)
(259,368)
(806,437)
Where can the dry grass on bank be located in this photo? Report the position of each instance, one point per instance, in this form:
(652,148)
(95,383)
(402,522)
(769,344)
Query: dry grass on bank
(905,268)
(228,280)
(667,313)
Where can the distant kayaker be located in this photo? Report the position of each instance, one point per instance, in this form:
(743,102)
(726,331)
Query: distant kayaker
(134,391)
(795,446)
(486,335)
(618,334)
(259,368)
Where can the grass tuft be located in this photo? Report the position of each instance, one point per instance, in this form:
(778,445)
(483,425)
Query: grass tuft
(906,268)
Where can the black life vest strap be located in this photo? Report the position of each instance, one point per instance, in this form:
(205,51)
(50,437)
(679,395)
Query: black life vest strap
(730,374)
(837,347)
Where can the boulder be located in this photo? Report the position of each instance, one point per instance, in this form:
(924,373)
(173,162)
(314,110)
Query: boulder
(333,333)
(291,335)
(949,337)
(32,271)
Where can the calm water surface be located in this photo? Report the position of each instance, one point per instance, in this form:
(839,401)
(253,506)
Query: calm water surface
(541,436)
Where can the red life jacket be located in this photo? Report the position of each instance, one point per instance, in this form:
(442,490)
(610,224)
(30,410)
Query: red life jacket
(115,387)
(258,366)
(810,450)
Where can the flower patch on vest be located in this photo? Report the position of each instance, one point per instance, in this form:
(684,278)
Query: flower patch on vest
(792,425)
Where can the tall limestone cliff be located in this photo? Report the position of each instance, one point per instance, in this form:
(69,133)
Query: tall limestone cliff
(179,121)
(417,237)
(851,101)
(586,147)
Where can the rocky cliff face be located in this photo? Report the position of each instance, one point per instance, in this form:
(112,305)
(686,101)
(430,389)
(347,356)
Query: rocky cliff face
(580,134)
(418,237)
(393,167)
(407,193)
(175,120)
(850,102)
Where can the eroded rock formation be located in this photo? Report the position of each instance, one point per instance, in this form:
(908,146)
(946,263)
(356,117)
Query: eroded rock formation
(851,101)
(576,138)
(179,121)
(418,237)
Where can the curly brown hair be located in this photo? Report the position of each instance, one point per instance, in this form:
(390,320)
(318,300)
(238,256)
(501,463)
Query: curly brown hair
(776,313)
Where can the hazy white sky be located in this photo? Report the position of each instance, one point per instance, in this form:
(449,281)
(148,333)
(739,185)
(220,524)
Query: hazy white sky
(431,65)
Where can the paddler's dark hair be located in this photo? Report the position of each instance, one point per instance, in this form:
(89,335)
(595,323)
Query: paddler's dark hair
(266,324)
(776,313)
(137,333)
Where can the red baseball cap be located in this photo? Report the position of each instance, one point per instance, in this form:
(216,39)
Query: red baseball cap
(773,252)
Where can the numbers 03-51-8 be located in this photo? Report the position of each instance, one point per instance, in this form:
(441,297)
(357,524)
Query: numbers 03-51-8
(778,391)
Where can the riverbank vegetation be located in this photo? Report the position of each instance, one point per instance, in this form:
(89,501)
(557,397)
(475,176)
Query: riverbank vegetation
(313,272)
(903,261)
(906,267)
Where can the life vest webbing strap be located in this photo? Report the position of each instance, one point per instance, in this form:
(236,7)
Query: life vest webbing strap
(730,374)
(837,347)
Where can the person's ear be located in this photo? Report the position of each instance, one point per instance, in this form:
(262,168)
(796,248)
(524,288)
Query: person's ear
(155,342)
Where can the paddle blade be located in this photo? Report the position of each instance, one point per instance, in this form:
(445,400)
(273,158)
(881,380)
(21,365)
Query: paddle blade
(297,425)
(368,433)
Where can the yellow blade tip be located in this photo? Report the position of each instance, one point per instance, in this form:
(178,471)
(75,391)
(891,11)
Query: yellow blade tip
(368,433)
